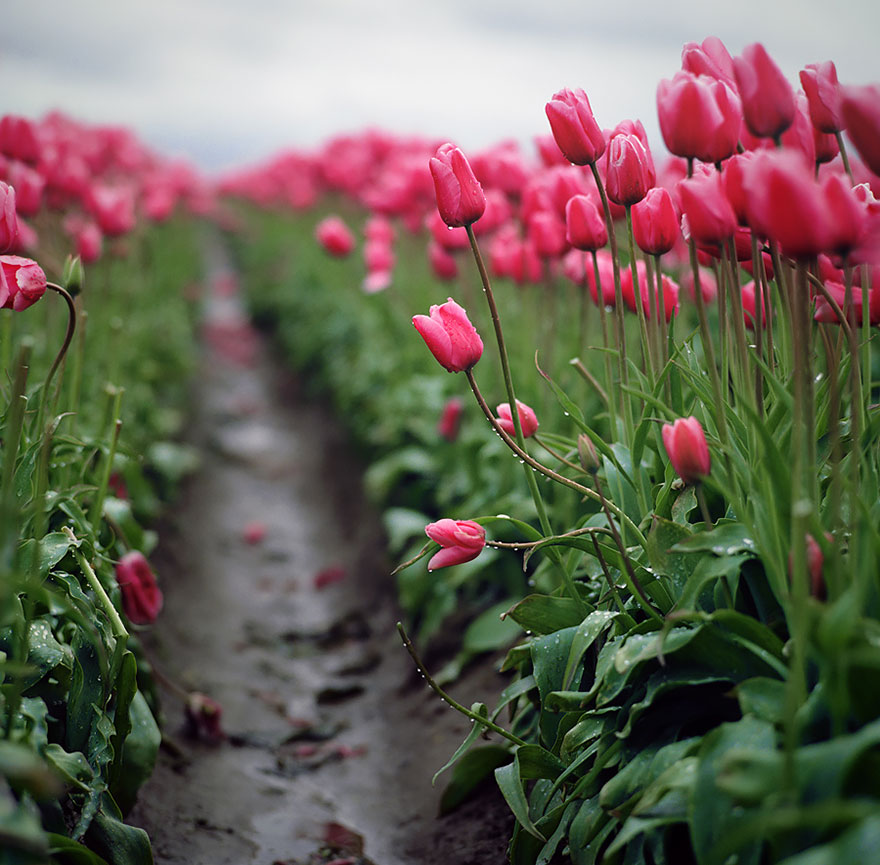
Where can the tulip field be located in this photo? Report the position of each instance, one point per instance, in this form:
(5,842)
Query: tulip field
(618,407)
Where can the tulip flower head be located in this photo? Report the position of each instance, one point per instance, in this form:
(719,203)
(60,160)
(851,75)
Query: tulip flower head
(527,419)
(861,114)
(334,235)
(8,218)
(450,336)
(574,127)
(655,224)
(628,169)
(141,596)
(460,197)
(22,282)
(686,446)
(767,97)
(820,84)
(585,227)
(461,540)
(450,419)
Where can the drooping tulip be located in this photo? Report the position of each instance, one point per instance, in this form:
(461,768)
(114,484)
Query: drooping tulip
(450,336)
(685,443)
(461,540)
(141,595)
(528,421)
(22,282)
(460,197)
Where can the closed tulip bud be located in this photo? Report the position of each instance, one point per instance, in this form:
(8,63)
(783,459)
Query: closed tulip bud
(22,282)
(8,218)
(460,198)
(527,420)
(546,231)
(655,224)
(74,276)
(574,127)
(450,419)
(141,596)
(627,167)
(710,217)
(587,455)
(18,138)
(709,58)
(700,117)
(450,336)
(585,227)
(861,114)
(767,97)
(819,81)
(335,236)
(461,540)
(688,451)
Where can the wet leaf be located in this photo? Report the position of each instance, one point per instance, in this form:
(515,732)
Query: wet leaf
(470,771)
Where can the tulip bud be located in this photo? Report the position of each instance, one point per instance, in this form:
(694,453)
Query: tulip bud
(8,218)
(461,540)
(820,84)
(141,596)
(460,198)
(655,225)
(861,114)
(528,421)
(686,446)
(627,166)
(74,276)
(710,216)
(587,454)
(450,336)
(584,224)
(22,282)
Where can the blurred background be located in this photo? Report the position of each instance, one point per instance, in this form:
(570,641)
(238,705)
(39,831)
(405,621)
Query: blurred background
(225,82)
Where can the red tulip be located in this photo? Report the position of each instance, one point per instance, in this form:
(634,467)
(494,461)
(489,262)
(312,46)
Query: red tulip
(335,236)
(819,81)
(462,541)
(628,169)
(450,420)
(655,224)
(460,198)
(141,596)
(528,421)
(574,127)
(700,117)
(767,97)
(861,114)
(584,225)
(450,336)
(686,446)
(22,282)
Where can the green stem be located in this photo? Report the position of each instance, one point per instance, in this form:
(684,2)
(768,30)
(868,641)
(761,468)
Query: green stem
(68,336)
(479,719)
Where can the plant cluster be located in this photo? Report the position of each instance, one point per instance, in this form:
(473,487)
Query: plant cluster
(696,681)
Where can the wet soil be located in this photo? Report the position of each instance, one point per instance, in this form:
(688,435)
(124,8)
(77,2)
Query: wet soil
(280,607)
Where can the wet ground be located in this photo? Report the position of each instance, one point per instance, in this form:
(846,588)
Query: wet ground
(280,607)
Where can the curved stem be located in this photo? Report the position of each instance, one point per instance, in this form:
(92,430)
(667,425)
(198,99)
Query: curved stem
(544,470)
(479,719)
(68,336)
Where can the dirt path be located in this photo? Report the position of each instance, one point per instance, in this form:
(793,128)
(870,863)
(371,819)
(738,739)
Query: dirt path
(331,734)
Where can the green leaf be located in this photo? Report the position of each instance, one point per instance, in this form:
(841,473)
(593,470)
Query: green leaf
(73,768)
(471,770)
(544,614)
(663,555)
(27,771)
(72,852)
(51,549)
(489,631)
(114,840)
(859,843)
(762,697)
(586,634)
(726,539)
(537,762)
(510,784)
(472,736)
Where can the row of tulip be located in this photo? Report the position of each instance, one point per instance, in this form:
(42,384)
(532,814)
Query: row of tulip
(696,672)
(94,389)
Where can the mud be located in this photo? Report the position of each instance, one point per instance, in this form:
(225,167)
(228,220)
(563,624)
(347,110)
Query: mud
(280,607)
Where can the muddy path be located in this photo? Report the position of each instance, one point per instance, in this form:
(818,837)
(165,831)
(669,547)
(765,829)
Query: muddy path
(279,606)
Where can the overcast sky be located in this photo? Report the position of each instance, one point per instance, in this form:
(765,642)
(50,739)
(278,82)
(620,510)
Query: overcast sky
(227,82)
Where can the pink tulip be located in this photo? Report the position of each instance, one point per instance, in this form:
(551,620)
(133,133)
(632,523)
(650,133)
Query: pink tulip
(861,114)
(443,263)
(686,446)
(585,225)
(820,84)
(335,236)
(710,216)
(527,419)
(655,224)
(462,541)
(29,185)
(767,97)
(18,138)
(450,419)
(22,282)
(8,218)
(450,336)
(460,198)
(574,127)
(547,232)
(628,169)
(709,58)
(141,596)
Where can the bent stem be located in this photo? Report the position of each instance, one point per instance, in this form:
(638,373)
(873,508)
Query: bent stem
(68,336)
(479,719)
